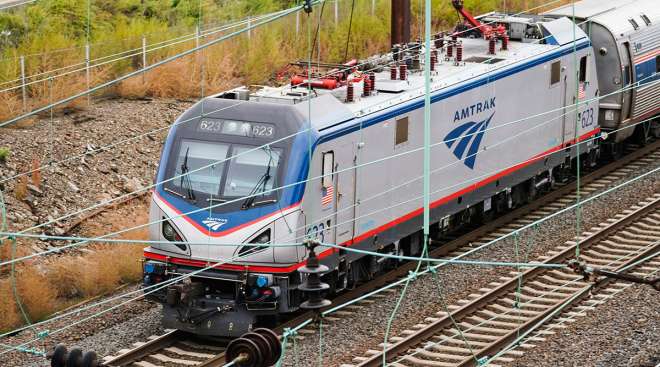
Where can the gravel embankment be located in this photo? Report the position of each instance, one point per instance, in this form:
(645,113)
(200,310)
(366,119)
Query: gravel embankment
(93,176)
(353,335)
(624,331)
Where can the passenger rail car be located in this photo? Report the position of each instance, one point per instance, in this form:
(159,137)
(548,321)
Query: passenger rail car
(343,164)
(626,43)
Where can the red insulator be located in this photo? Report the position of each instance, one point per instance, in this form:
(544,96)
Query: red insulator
(393,72)
(372,79)
(459,52)
(491,45)
(439,40)
(505,42)
(349,91)
(366,89)
(450,51)
(454,37)
(325,83)
(403,71)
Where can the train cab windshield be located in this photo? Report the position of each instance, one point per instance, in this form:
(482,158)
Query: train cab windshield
(219,167)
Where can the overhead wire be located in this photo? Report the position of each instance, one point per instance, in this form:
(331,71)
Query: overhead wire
(350,28)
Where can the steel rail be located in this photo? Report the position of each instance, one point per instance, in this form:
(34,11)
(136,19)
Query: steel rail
(505,288)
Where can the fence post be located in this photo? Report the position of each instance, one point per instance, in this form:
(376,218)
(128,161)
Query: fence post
(23,86)
(198,34)
(144,56)
(336,11)
(373,7)
(249,27)
(87,73)
(297,22)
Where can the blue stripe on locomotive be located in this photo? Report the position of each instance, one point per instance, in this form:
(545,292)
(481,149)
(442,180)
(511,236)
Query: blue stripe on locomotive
(645,72)
(299,156)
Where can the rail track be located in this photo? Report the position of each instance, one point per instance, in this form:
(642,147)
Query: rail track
(175,348)
(486,323)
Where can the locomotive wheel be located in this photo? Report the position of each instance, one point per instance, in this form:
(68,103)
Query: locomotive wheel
(273,341)
(245,353)
(90,359)
(75,358)
(264,346)
(59,356)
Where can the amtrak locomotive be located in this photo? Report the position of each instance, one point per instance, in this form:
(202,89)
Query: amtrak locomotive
(337,157)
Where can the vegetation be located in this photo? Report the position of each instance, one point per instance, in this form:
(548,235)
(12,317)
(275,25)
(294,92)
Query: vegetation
(4,154)
(65,280)
(52,34)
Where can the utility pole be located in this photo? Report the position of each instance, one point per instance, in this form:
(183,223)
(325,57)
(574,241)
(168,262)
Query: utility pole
(400,31)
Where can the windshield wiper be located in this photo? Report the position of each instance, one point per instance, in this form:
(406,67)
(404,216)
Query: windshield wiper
(186,184)
(263,180)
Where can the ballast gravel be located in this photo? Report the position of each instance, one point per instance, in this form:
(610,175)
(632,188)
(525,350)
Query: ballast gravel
(353,335)
(625,331)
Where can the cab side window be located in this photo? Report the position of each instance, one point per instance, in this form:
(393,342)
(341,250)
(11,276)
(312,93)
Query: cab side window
(327,168)
(583,69)
(401,133)
(555,72)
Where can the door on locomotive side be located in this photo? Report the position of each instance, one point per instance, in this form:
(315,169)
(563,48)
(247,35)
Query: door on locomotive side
(558,76)
(345,161)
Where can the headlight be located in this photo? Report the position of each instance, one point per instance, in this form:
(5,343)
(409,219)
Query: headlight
(172,235)
(262,238)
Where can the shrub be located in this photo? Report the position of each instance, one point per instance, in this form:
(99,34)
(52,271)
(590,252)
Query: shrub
(10,317)
(36,172)
(20,190)
(36,292)
(4,154)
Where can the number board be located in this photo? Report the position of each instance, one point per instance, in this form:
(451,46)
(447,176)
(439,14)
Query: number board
(238,128)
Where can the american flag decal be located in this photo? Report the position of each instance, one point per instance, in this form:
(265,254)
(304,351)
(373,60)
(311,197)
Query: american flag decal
(328,195)
(581,91)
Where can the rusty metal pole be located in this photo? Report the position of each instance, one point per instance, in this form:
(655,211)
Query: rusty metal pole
(400,31)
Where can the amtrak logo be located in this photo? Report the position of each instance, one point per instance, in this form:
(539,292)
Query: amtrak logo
(214,223)
(467,137)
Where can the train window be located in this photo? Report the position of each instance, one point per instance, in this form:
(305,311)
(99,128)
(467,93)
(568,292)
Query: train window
(328,168)
(401,131)
(657,64)
(555,72)
(583,69)
(634,23)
